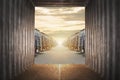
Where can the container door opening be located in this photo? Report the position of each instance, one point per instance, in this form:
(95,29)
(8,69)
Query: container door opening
(59,35)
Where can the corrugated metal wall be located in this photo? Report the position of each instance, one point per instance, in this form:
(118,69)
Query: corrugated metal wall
(103,37)
(16,37)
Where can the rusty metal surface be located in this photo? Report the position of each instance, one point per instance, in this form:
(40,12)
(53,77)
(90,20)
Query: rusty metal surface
(58,72)
(40,72)
(60,2)
(16,37)
(102,46)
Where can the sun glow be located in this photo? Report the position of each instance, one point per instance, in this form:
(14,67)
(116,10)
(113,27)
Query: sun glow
(59,41)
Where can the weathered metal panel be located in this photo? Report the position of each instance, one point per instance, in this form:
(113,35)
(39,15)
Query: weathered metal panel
(16,37)
(1,41)
(117,43)
(102,43)
(60,2)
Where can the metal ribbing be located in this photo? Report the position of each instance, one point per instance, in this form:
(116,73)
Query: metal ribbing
(17,39)
(102,37)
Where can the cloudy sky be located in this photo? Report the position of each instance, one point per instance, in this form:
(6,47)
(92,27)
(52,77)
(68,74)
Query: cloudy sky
(59,22)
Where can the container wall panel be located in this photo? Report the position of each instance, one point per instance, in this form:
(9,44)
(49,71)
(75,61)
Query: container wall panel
(16,37)
(103,38)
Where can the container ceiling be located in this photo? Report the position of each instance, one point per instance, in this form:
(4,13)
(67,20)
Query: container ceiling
(60,2)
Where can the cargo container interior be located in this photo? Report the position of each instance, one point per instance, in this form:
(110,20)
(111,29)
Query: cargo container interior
(102,43)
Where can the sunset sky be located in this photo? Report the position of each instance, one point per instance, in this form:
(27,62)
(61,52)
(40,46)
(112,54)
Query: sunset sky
(59,22)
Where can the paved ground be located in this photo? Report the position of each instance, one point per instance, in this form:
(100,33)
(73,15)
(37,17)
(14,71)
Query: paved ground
(60,55)
(58,72)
